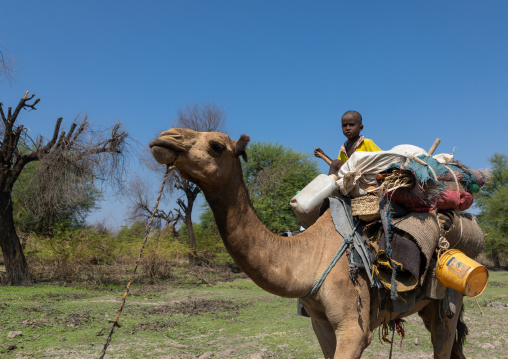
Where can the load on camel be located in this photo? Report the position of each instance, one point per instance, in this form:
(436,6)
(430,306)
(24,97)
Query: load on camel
(410,205)
(344,312)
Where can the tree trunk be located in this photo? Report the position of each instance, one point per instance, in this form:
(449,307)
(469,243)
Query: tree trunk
(15,262)
(192,242)
(191,194)
(494,254)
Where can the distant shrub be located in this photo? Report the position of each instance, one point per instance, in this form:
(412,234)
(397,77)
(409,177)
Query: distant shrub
(69,253)
(98,256)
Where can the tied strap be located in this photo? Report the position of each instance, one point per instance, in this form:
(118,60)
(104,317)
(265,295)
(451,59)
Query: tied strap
(346,243)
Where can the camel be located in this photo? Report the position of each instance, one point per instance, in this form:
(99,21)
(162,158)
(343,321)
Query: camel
(289,266)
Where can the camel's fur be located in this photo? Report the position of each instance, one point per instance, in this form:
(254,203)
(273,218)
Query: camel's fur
(289,266)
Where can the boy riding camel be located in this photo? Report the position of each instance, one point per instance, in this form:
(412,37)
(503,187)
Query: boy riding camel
(351,128)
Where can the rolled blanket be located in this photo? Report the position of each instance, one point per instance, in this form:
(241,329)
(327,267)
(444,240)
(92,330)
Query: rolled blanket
(404,251)
(424,229)
(462,232)
(405,256)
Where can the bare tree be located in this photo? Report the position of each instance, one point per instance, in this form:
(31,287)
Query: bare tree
(7,64)
(141,206)
(207,117)
(199,117)
(68,163)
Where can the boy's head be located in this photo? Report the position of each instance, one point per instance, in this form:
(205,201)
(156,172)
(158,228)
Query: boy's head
(351,124)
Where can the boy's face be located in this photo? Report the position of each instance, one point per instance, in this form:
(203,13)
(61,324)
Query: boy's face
(351,127)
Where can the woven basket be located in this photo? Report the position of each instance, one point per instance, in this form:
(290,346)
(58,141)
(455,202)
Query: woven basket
(366,207)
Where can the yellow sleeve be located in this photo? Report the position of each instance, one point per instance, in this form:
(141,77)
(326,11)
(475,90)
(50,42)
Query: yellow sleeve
(368,146)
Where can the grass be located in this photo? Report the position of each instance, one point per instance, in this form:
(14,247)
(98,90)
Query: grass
(192,319)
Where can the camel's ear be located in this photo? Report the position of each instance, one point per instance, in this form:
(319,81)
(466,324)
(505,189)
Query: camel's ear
(241,145)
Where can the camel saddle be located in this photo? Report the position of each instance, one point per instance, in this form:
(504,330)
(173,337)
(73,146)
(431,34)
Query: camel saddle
(348,226)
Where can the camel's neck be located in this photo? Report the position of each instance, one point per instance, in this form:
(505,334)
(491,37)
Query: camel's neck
(284,266)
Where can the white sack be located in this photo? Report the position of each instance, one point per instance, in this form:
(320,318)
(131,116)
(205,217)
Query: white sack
(444,158)
(359,172)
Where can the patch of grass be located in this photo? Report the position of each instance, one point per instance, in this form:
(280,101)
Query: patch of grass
(232,319)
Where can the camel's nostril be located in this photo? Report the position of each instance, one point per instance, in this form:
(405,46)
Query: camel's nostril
(164,155)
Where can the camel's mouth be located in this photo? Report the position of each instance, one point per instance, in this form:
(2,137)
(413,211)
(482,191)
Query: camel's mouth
(164,151)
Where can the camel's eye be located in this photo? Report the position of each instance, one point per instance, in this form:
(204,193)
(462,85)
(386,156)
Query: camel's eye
(217,147)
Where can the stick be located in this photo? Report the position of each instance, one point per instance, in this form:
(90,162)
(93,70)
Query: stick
(478,304)
(434,146)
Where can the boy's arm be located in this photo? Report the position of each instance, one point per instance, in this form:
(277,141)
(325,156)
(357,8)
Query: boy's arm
(335,165)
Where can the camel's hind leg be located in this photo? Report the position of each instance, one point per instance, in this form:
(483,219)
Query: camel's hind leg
(443,329)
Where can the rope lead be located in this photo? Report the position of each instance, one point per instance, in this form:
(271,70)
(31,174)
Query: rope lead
(145,240)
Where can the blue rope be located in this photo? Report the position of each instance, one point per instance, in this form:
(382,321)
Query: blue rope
(348,240)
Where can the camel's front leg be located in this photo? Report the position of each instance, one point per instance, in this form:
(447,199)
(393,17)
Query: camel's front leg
(340,313)
(351,342)
(326,337)
(345,342)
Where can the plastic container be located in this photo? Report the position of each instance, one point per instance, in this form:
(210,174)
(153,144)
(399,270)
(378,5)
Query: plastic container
(457,271)
(307,202)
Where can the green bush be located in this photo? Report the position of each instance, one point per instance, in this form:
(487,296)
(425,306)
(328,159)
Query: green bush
(99,257)
(68,253)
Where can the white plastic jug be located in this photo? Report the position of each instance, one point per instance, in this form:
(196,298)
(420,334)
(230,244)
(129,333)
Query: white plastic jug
(307,202)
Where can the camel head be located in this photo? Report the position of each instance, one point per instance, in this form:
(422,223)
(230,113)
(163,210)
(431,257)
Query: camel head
(209,159)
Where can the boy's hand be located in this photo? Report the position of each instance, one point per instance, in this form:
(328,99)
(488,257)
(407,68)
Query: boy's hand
(318,152)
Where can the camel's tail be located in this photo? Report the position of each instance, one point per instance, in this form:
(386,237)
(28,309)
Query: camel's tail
(462,331)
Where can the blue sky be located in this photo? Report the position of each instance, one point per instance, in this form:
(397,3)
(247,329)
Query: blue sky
(284,71)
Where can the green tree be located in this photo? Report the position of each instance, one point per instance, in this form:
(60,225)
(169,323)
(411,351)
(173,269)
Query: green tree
(209,239)
(493,203)
(273,174)
(23,219)
(129,237)
(30,215)
(206,218)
